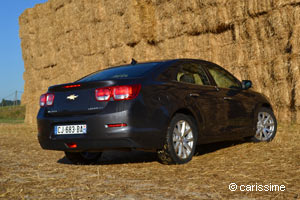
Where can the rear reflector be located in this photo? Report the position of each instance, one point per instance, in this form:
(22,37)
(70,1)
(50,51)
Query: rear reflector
(72,86)
(115,125)
(72,145)
(122,92)
(47,99)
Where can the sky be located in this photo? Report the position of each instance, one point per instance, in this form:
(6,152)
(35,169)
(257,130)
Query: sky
(11,62)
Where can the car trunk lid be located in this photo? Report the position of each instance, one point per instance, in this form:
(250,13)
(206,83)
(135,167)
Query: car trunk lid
(72,99)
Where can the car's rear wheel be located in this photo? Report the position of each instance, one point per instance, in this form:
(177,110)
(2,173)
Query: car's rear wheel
(180,142)
(83,158)
(266,126)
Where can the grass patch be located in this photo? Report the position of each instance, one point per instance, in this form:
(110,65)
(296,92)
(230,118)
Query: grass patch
(12,121)
(12,114)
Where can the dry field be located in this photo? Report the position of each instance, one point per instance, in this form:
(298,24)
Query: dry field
(28,172)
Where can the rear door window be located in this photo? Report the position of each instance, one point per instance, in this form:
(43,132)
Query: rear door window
(193,73)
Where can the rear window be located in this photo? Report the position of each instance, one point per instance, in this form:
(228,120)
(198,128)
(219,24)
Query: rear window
(122,72)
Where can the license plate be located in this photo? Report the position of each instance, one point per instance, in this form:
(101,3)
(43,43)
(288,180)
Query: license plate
(70,129)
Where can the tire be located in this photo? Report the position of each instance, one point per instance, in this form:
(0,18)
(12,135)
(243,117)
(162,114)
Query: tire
(180,142)
(83,158)
(266,126)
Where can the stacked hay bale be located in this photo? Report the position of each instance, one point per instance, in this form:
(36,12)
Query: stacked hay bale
(255,39)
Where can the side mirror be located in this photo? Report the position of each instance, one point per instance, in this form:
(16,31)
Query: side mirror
(246,84)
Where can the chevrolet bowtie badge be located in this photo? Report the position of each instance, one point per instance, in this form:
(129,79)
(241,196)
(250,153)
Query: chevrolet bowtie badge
(72,97)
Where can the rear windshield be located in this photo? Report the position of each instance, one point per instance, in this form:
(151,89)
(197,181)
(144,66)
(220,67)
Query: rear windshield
(128,71)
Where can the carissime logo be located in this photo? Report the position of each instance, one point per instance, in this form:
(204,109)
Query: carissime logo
(72,97)
(256,187)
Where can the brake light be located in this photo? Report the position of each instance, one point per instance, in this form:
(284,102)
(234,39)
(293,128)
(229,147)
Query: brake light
(47,99)
(126,92)
(72,86)
(103,94)
(43,100)
(122,92)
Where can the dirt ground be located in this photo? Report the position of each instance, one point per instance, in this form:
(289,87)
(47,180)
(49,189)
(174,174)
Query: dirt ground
(28,172)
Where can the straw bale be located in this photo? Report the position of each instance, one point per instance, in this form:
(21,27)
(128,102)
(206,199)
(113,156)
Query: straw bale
(281,3)
(254,39)
(236,9)
(295,39)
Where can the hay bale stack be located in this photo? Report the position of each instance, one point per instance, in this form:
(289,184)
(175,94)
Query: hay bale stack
(63,40)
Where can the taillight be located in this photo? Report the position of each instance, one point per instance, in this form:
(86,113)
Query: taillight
(125,92)
(46,99)
(43,100)
(50,99)
(122,92)
(103,94)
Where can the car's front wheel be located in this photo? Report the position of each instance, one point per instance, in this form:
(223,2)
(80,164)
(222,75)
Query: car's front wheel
(266,126)
(180,142)
(83,158)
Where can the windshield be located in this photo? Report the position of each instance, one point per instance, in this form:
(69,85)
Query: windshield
(128,71)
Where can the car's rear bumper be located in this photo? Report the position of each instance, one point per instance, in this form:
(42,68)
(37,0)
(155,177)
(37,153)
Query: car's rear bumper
(92,144)
(98,137)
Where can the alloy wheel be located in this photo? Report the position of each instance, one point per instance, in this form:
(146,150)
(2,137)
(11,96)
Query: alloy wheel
(265,126)
(183,139)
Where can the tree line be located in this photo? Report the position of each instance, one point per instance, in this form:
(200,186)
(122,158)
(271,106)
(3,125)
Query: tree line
(5,102)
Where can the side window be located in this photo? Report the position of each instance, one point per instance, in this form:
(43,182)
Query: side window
(192,73)
(222,78)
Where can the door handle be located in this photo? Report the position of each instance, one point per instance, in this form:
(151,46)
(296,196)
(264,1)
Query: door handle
(194,95)
(227,98)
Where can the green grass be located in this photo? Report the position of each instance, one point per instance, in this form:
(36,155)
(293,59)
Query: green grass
(12,114)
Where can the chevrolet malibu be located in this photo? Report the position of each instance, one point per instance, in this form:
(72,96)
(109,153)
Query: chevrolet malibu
(167,106)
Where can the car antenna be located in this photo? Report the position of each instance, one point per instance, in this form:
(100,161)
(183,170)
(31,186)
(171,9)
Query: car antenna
(133,62)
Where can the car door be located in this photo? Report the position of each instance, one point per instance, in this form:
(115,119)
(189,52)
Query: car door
(238,104)
(204,97)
